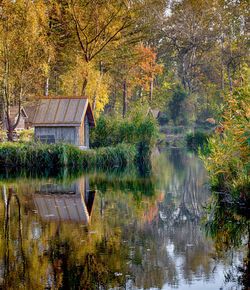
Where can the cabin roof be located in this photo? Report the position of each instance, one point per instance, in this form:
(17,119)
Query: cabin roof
(63,111)
(13,112)
(30,110)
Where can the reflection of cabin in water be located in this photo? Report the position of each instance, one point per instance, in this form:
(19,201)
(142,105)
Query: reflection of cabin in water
(71,203)
(63,119)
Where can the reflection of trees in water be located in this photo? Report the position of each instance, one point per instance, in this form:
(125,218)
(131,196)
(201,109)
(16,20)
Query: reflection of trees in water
(227,222)
(135,238)
(180,246)
(172,248)
(19,260)
(89,270)
(186,192)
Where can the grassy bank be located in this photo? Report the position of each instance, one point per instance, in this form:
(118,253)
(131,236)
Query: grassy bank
(40,156)
(227,160)
(115,143)
(197,140)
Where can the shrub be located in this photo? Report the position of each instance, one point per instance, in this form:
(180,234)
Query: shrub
(27,135)
(196,140)
(111,131)
(228,160)
(140,131)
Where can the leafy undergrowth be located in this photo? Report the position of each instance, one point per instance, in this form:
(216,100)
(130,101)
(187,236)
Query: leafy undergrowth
(228,155)
(197,140)
(140,130)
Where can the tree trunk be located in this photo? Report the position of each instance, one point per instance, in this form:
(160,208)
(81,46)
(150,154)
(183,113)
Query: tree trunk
(183,73)
(189,86)
(229,77)
(151,90)
(222,75)
(9,128)
(1,111)
(46,82)
(84,85)
(124,99)
(97,86)
(56,84)
(75,88)
(222,64)
(46,86)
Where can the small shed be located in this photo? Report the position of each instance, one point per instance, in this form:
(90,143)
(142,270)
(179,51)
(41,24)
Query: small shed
(63,118)
(13,113)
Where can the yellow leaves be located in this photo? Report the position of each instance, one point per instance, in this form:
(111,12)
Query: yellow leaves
(219,171)
(230,151)
(45,68)
(97,85)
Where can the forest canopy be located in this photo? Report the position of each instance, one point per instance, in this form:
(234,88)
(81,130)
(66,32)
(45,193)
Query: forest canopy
(120,53)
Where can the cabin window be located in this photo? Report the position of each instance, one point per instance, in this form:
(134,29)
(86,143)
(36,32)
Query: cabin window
(49,139)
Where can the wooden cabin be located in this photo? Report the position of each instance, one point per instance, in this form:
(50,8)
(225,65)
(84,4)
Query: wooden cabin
(65,203)
(63,119)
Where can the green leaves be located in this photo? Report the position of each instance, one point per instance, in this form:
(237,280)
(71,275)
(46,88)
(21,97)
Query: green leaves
(229,149)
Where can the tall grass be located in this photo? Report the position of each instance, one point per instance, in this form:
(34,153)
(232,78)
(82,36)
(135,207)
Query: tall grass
(40,156)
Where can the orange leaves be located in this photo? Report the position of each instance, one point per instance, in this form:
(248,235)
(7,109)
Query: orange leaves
(145,67)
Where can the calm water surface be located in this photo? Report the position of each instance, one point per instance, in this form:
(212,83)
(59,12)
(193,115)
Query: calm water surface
(103,231)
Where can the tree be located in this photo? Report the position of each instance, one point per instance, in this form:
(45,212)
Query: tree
(190,31)
(21,54)
(175,105)
(95,25)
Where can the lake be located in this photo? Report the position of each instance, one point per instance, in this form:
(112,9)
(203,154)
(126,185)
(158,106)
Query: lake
(120,230)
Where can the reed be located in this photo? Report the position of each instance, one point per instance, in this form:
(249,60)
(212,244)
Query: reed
(40,156)
(227,160)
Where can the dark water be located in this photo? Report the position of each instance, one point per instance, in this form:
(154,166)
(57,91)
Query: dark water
(103,231)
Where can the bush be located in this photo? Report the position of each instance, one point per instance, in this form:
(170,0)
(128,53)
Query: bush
(27,135)
(140,131)
(196,140)
(111,131)
(228,160)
